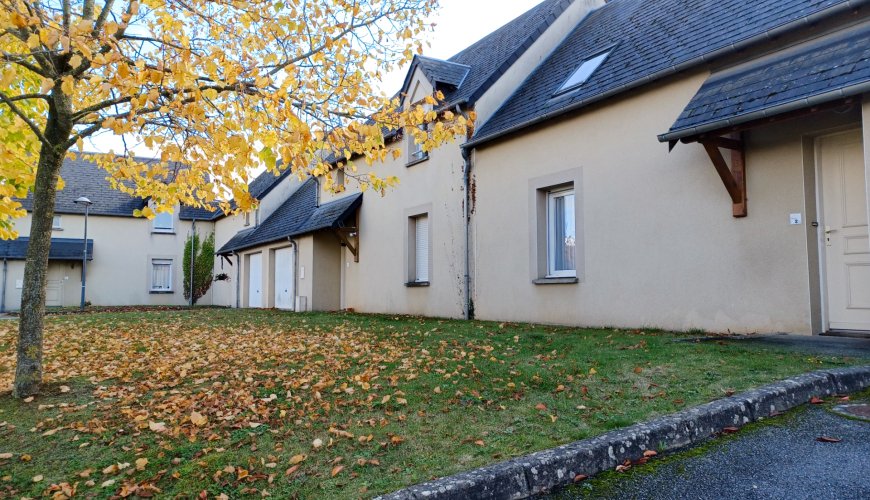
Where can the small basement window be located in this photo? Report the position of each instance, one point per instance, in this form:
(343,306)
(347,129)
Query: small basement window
(582,74)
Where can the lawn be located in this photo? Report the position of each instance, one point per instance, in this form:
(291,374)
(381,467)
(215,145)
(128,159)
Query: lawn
(250,403)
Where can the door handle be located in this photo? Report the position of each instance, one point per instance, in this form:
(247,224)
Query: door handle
(829,230)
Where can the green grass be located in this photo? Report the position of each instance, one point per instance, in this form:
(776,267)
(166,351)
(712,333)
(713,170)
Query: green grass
(461,395)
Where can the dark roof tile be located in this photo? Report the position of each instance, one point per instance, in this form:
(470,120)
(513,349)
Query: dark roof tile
(649,39)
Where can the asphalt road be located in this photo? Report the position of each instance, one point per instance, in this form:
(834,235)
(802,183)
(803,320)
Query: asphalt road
(780,459)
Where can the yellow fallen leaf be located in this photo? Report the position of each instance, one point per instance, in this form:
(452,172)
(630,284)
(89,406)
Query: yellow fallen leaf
(141,463)
(37,478)
(336,470)
(592,371)
(297,459)
(107,483)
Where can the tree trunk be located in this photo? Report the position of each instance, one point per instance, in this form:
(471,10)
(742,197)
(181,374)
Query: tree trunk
(28,372)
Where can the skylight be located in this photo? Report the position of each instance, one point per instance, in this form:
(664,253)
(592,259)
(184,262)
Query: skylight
(582,74)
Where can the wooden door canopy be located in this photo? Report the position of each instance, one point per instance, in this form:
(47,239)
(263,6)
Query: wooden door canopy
(733,177)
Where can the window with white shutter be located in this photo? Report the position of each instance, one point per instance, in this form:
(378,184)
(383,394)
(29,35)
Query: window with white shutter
(421,248)
(161,275)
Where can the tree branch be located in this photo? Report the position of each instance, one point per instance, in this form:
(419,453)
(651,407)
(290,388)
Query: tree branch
(9,102)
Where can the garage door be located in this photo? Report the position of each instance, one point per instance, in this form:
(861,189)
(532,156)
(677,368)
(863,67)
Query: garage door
(284,273)
(255,281)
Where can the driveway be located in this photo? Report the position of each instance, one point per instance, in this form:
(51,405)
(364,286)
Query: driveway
(779,459)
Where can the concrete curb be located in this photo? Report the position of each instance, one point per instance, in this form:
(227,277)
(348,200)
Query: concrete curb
(541,472)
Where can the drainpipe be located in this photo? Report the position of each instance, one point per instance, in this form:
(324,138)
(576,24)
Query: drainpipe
(192,257)
(466,181)
(3,297)
(238,280)
(295,270)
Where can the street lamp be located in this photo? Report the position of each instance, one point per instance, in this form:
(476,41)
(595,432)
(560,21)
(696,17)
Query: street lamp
(87,204)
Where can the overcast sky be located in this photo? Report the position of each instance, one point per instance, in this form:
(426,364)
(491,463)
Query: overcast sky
(459,23)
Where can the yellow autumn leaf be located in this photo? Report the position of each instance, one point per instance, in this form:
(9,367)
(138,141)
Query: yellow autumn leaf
(198,419)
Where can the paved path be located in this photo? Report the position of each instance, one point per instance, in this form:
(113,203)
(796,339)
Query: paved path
(826,346)
(778,460)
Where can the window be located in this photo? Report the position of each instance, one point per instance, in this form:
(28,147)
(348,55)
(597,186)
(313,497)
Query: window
(161,275)
(56,223)
(561,234)
(419,251)
(416,153)
(583,72)
(162,222)
(247,219)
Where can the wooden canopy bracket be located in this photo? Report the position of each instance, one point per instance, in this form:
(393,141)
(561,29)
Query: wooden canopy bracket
(349,237)
(734,177)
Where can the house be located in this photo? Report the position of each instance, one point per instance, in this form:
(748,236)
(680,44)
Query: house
(703,164)
(680,164)
(131,260)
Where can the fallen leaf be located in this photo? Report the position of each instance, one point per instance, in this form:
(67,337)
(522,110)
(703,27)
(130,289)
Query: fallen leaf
(560,388)
(650,453)
(28,400)
(592,371)
(141,463)
(480,442)
(37,478)
(730,430)
(622,468)
(828,439)
(638,370)
(296,459)
(107,483)
(336,470)
(64,388)
(317,443)
(291,470)
(816,401)
(580,477)
(4,456)
(541,407)
(157,426)
(198,419)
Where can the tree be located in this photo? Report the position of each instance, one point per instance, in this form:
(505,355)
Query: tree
(216,86)
(203,265)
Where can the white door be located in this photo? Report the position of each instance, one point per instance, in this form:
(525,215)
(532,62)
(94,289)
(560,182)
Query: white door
(284,278)
(255,280)
(54,293)
(844,226)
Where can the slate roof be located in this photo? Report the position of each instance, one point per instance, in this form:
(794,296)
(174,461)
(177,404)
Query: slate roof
(265,183)
(60,249)
(648,40)
(297,216)
(811,73)
(83,177)
(491,56)
(439,72)
(202,214)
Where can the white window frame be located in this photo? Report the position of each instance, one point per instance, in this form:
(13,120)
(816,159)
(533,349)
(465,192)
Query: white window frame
(162,262)
(57,223)
(170,229)
(584,72)
(421,259)
(552,195)
(415,149)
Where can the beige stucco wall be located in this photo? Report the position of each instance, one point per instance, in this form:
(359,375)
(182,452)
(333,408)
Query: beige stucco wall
(120,271)
(660,244)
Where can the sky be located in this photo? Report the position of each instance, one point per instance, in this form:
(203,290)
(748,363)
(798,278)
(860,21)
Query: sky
(459,23)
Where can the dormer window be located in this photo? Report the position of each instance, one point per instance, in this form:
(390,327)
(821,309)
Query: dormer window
(582,74)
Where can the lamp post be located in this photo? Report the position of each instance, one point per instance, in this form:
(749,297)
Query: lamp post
(87,204)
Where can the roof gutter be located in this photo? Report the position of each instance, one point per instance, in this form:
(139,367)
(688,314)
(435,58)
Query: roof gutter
(674,69)
(807,102)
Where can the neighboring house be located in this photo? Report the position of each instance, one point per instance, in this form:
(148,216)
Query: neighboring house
(131,260)
(681,164)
